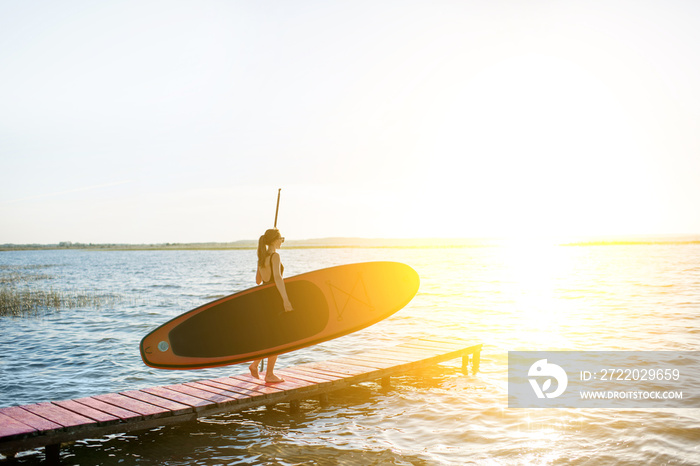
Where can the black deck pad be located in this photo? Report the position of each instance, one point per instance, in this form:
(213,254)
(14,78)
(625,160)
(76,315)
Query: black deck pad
(253,322)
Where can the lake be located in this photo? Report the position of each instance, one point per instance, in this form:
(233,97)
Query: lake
(509,297)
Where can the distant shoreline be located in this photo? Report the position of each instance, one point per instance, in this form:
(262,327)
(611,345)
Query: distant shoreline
(370,243)
(324,243)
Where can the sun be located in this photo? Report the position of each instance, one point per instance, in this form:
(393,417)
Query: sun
(538,271)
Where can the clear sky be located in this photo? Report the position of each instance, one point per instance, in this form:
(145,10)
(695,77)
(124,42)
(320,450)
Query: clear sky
(176,121)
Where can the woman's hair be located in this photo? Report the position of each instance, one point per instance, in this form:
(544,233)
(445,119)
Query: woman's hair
(265,240)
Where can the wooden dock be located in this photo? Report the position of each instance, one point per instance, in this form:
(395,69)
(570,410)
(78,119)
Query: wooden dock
(51,423)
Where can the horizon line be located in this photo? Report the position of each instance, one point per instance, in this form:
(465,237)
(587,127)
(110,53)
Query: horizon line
(377,242)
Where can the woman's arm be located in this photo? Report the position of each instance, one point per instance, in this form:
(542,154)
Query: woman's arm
(275,263)
(258,277)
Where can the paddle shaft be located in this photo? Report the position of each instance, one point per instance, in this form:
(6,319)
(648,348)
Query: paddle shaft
(277,210)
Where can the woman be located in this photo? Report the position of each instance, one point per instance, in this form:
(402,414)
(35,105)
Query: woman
(270,270)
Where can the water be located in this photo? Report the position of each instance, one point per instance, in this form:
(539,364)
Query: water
(524,297)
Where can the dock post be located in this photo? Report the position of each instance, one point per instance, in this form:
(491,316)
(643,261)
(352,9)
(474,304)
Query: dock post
(53,453)
(323,398)
(476,360)
(386,382)
(294,406)
(465,363)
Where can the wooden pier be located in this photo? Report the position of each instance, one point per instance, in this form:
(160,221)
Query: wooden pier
(51,423)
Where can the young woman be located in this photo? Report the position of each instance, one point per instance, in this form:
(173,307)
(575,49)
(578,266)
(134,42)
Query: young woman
(270,270)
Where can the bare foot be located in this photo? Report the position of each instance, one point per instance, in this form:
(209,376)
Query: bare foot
(272,378)
(254,370)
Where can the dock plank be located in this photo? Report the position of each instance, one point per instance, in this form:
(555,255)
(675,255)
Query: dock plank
(226,384)
(306,371)
(291,383)
(438,341)
(147,410)
(417,357)
(100,417)
(58,415)
(30,419)
(215,383)
(366,368)
(328,371)
(249,385)
(220,399)
(11,428)
(335,368)
(387,356)
(197,404)
(287,383)
(450,352)
(217,390)
(407,351)
(121,413)
(309,377)
(174,407)
(372,363)
(301,382)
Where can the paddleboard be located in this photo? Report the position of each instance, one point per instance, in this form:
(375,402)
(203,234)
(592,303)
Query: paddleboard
(252,324)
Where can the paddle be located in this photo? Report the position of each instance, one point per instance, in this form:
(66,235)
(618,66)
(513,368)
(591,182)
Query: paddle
(277,211)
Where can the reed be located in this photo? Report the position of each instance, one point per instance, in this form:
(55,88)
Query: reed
(15,302)
(32,301)
(20,295)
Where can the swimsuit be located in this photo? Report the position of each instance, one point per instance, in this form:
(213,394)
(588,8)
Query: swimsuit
(272,273)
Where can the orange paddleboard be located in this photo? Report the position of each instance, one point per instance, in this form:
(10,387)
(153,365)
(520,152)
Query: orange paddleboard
(252,324)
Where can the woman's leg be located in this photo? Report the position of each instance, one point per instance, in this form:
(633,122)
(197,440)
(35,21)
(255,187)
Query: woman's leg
(254,368)
(270,375)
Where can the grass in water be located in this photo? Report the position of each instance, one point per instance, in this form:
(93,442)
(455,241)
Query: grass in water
(14,302)
(19,295)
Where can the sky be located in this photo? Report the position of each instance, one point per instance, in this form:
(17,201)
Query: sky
(172,121)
